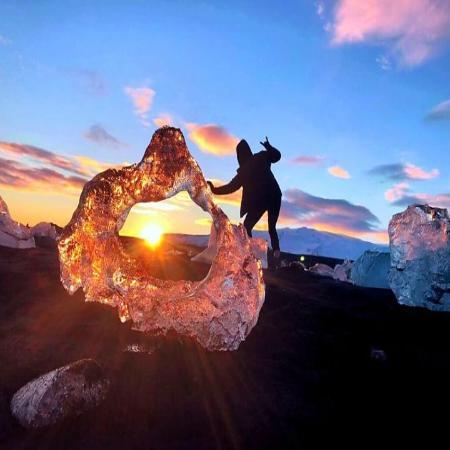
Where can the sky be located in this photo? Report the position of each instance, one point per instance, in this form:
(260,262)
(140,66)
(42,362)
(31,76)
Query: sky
(354,94)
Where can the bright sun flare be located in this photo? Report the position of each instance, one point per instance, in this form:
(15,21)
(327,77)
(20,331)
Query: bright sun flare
(152,233)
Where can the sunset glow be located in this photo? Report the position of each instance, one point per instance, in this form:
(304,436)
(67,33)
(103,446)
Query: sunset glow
(152,233)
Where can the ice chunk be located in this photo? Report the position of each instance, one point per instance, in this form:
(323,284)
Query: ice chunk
(371,269)
(420,257)
(219,311)
(13,234)
(44,229)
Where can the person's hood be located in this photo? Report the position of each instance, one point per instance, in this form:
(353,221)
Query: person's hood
(243,152)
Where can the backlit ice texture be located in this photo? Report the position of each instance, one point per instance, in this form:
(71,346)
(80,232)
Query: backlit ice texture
(219,311)
(420,257)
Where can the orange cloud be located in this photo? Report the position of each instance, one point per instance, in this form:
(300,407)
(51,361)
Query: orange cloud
(338,172)
(162,120)
(413,30)
(212,139)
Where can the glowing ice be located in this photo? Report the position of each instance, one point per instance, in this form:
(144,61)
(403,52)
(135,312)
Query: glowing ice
(219,311)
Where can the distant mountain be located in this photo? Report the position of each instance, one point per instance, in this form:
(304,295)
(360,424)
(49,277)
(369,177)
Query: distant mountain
(303,240)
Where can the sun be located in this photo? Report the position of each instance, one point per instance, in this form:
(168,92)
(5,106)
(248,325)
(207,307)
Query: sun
(152,233)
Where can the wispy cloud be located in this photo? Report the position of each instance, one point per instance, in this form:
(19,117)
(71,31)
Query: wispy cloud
(400,171)
(163,119)
(336,215)
(338,172)
(212,138)
(39,154)
(412,30)
(91,81)
(307,160)
(142,99)
(27,167)
(401,194)
(4,40)
(98,134)
(16,175)
(439,112)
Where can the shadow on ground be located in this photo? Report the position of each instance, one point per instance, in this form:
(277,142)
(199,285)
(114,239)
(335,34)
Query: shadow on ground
(304,377)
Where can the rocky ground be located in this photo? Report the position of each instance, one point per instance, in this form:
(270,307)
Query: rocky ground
(327,363)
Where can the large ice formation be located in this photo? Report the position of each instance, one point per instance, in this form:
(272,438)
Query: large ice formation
(13,234)
(371,269)
(219,311)
(420,257)
(258,245)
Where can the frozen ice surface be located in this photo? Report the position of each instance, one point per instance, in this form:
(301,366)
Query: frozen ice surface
(420,257)
(219,311)
(13,234)
(371,269)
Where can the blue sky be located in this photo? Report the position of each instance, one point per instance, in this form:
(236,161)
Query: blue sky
(314,77)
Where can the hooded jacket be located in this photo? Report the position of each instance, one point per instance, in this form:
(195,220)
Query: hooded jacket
(259,186)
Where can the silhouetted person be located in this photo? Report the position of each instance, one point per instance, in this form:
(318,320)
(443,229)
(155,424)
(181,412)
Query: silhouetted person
(260,190)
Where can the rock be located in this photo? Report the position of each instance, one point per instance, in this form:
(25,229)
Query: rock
(44,229)
(67,391)
(377,354)
(13,234)
(371,270)
(420,257)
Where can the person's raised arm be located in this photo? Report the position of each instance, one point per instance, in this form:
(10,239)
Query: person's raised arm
(273,153)
(229,188)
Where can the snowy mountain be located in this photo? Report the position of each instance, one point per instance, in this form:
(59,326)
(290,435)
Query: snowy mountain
(303,240)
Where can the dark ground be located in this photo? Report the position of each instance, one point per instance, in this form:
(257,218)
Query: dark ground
(303,378)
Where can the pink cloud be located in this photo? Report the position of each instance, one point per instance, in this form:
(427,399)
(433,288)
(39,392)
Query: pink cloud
(413,30)
(338,172)
(413,172)
(212,138)
(305,160)
(396,192)
(142,98)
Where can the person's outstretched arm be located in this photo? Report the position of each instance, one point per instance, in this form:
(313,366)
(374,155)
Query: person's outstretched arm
(273,153)
(229,188)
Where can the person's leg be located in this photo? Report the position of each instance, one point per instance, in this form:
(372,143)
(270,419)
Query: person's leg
(251,219)
(272,218)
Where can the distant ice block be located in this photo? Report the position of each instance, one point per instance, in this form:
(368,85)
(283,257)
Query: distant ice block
(259,249)
(13,234)
(44,229)
(420,257)
(371,269)
(219,311)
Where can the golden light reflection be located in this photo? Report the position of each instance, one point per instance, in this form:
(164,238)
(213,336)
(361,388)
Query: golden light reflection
(152,233)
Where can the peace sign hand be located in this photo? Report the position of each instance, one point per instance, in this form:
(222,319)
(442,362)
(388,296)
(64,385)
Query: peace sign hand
(266,143)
